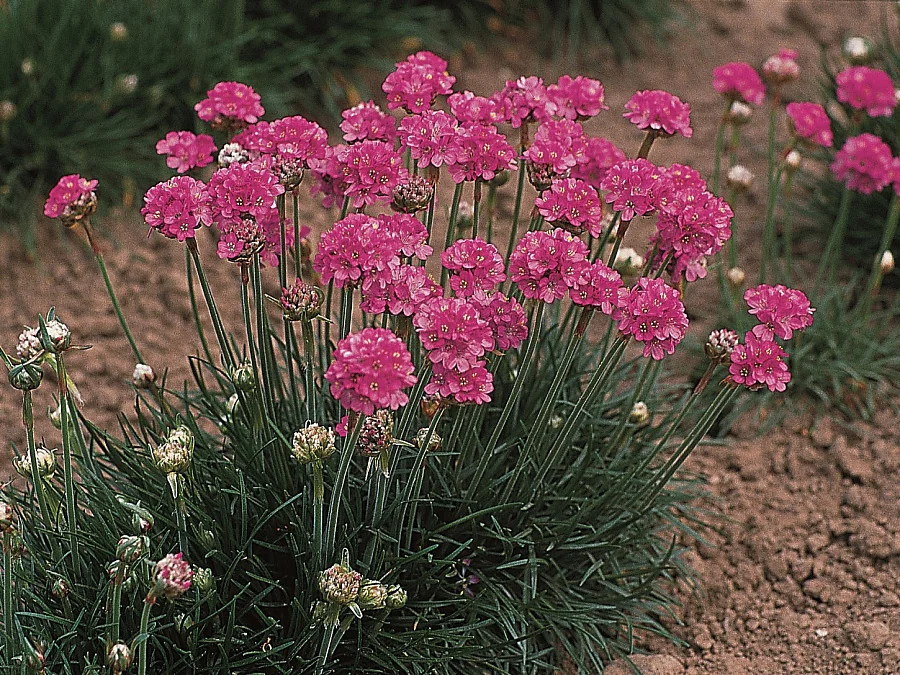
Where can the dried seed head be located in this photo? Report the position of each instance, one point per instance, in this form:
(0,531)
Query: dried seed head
(372,595)
(143,376)
(430,405)
(46,462)
(118,31)
(60,588)
(396,597)
(412,196)
(7,516)
(29,343)
(301,301)
(887,262)
(119,657)
(232,153)
(740,177)
(130,548)
(288,171)
(736,276)
(174,455)
(859,51)
(739,113)
(377,434)
(339,583)
(27,67)
(640,414)
(313,443)
(720,344)
(434,443)
(243,378)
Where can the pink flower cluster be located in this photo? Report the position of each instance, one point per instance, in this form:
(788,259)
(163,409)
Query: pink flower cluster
(400,289)
(417,81)
(475,267)
(759,362)
(505,317)
(782,67)
(780,311)
(293,137)
(558,145)
(524,100)
(186,150)
(66,194)
(739,81)
(366,122)
(230,103)
(573,205)
(810,122)
(636,187)
(867,89)
(177,207)
(480,153)
(370,170)
(546,265)
(598,157)
(652,312)
(660,111)
(864,163)
(370,370)
(597,286)
(430,137)
(242,190)
(354,248)
(172,576)
(471,109)
(694,224)
(577,98)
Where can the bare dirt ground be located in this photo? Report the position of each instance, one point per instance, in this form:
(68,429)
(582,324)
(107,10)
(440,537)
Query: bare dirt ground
(803,577)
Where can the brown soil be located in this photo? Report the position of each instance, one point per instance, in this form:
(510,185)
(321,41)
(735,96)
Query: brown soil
(802,578)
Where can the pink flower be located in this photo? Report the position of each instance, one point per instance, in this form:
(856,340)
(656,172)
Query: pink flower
(598,156)
(230,104)
(257,139)
(694,224)
(172,576)
(524,100)
(241,190)
(297,138)
(240,240)
(660,111)
(480,152)
(270,225)
(471,109)
(759,362)
(366,122)
(409,234)
(545,265)
(739,81)
(864,163)
(429,137)
(398,290)
(578,98)
(781,67)
(558,144)
(370,170)
(186,150)
(867,89)
(370,370)
(354,248)
(684,177)
(636,187)
(470,386)
(573,205)
(810,122)
(453,332)
(780,311)
(597,287)
(328,176)
(71,194)
(505,316)
(177,207)
(652,312)
(416,82)
(475,265)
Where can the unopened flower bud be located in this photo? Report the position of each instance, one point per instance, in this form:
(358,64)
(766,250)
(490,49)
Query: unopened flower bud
(556,421)
(34,659)
(172,576)
(143,376)
(231,405)
(412,196)
(26,376)
(434,443)
(781,68)
(720,344)
(126,84)
(628,260)
(59,337)
(119,657)
(792,160)
(7,516)
(739,113)
(118,31)
(204,581)
(45,458)
(301,301)
(60,588)
(372,595)
(430,405)
(130,548)
(640,414)
(55,415)
(859,51)
(8,111)
(339,583)
(313,443)
(288,171)
(243,377)
(143,523)
(377,434)
(396,597)
(183,624)
(735,276)
(887,262)
(206,538)
(174,455)
(27,67)
(29,343)
(740,177)
(232,153)
(465,215)
(540,175)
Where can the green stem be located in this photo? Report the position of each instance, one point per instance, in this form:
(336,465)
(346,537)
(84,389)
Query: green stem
(476,201)
(188,265)
(143,638)
(887,238)
(769,249)
(309,353)
(451,225)
(644,150)
(413,490)
(37,481)
(517,208)
(828,267)
(787,233)
(720,146)
(227,355)
(298,262)
(8,619)
(318,513)
(349,446)
(114,609)
(248,329)
(268,368)
(64,411)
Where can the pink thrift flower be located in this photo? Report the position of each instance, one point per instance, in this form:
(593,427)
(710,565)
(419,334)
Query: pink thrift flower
(240,240)
(864,163)
(573,205)
(354,248)
(366,122)
(475,265)
(759,362)
(257,139)
(471,109)
(598,156)
(371,170)
(782,67)
(186,150)
(693,225)
(652,312)
(684,177)
(739,81)
(398,290)
(70,195)
(241,190)
(660,111)
(524,100)
(597,287)
(577,98)
(270,225)
(416,82)
(780,311)
(558,144)
(505,316)
(328,176)
(230,105)
(177,207)
(429,137)
(636,187)
(409,234)
(370,370)
(545,265)
(868,89)
(470,386)
(297,138)
(172,576)
(480,153)
(453,332)
(810,122)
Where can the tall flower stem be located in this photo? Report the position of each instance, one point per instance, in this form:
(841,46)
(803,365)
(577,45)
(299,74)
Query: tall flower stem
(769,249)
(114,604)
(36,479)
(189,272)
(451,224)
(318,512)
(64,411)
(271,380)
(248,329)
(720,148)
(490,207)
(298,262)
(476,201)
(517,208)
(337,490)
(644,150)
(309,353)
(143,638)
(227,355)
(98,256)
(827,268)
(413,488)
(887,238)
(8,618)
